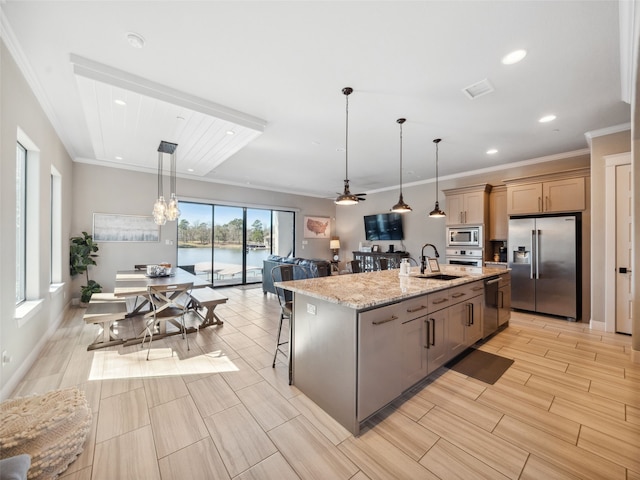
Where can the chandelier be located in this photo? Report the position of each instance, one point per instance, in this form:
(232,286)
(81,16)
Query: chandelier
(163,211)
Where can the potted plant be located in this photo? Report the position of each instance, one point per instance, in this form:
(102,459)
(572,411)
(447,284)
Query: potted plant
(82,253)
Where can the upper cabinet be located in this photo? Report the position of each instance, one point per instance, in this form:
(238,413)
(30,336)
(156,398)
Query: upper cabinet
(498,217)
(468,205)
(562,192)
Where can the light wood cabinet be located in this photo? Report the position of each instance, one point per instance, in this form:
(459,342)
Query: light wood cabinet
(468,205)
(551,195)
(498,217)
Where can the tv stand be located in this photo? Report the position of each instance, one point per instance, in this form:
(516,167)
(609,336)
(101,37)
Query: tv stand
(369,261)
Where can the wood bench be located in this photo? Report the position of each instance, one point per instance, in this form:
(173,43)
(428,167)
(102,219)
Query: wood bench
(208,298)
(104,309)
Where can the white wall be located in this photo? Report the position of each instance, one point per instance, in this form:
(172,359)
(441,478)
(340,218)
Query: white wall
(20,109)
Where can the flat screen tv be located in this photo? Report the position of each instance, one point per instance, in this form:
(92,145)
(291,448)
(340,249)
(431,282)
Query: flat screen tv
(383,226)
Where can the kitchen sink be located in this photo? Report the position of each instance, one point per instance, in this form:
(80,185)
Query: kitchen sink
(440,276)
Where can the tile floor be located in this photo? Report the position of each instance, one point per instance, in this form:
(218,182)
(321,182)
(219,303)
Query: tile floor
(568,408)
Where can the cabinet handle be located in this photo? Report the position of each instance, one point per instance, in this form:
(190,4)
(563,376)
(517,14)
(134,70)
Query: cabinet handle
(491,282)
(426,326)
(433,335)
(380,322)
(458,295)
(478,288)
(471,314)
(417,309)
(465,216)
(438,302)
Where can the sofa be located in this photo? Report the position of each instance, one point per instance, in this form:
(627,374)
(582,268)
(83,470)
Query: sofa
(322,267)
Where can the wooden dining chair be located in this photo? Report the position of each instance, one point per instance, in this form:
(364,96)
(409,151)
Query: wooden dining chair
(383,264)
(168,302)
(355,266)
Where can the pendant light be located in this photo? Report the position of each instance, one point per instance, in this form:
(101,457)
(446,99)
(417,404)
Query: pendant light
(347,198)
(436,212)
(161,210)
(401,207)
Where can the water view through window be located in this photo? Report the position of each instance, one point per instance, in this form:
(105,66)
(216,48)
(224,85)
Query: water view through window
(228,244)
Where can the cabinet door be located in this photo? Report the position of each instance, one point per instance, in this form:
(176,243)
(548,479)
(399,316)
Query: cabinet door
(498,218)
(454,208)
(474,329)
(379,359)
(414,351)
(456,326)
(523,199)
(473,213)
(564,195)
(437,348)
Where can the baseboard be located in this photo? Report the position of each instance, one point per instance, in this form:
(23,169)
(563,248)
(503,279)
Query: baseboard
(635,356)
(599,326)
(28,362)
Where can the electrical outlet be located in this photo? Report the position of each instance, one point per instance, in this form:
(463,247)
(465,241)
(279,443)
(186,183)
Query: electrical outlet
(311,309)
(6,358)
(168,241)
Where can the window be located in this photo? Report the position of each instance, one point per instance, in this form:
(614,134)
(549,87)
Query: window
(21,223)
(56,227)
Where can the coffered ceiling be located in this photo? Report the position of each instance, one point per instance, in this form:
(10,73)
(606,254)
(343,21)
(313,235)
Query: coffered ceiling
(252,91)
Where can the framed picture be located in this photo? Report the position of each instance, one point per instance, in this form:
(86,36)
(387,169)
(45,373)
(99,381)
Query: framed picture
(108,227)
(317,227)
(375,248)
(433,265)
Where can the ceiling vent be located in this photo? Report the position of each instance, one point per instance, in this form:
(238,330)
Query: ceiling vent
(483,87)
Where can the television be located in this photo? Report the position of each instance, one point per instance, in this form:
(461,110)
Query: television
(383,226)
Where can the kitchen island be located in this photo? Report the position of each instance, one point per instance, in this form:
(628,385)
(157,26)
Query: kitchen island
(359,341)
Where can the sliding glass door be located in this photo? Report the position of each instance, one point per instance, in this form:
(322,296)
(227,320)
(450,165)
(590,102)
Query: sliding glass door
(227,244)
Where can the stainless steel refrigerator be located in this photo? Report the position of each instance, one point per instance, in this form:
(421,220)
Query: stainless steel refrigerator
(544,257)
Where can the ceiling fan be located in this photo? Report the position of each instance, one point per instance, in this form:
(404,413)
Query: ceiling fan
(346,197)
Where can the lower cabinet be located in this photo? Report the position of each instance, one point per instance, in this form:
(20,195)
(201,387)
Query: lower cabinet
(379,359)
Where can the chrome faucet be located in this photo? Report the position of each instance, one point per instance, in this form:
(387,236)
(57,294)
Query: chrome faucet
(423,259)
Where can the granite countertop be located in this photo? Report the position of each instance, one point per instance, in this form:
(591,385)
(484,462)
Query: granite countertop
(366,290)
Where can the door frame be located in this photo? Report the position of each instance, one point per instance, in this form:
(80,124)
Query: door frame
(611,162)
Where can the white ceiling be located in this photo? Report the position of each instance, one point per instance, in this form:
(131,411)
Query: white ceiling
(274,72)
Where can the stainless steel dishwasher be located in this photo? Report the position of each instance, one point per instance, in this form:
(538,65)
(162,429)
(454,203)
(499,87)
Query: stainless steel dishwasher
(497,302)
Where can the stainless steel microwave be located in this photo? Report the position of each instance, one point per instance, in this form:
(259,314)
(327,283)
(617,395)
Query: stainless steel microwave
(464,236)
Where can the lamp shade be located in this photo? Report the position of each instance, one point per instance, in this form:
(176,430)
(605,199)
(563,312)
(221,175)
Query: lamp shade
(334,244)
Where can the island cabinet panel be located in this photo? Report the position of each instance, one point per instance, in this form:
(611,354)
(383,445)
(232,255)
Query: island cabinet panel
(379,358)
(437,351)
(414,350)
(464,327)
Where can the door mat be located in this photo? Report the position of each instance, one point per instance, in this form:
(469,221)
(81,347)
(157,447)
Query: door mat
(481,365)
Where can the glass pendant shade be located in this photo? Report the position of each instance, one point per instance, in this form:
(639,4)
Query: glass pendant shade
(401,206)
(161,210)
(173,212)
(436,212)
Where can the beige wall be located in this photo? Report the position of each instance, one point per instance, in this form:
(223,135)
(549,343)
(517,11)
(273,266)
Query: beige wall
(109,190)
(420,229)
(20,109)
(600,147)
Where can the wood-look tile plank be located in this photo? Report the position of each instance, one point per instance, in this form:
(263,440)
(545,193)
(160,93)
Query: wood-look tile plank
(633,415)
(381,460)
(309,453)
(593,370)
(278,378)
(617,428)
(599,347)
(409,436)
(275,467)
(242,377)
(618,450)
(412,405)
(117,386)
(320,419)
(122,413)
(515,375)
(176,424)
(212,394)
(161,390)
(538,469)
(478,413)
(239,439)
(84,474)
(200,461)
(130,456)
(576,460)
(450,462)
(512,353)
(564,378)
(538,417)
(629,395)
(486,447)
(458,383)
(524,393)
(266,405)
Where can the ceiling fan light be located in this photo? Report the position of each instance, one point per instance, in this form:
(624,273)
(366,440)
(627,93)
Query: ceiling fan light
(348,199)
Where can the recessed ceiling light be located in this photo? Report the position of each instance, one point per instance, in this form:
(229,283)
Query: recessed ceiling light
(492,151)
(189,169)
(514,57)
(120,102)
(230,132)
(547,118)
(340,149)
(118,157)
(135,40)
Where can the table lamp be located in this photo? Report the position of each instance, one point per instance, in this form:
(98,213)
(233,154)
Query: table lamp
(334,244)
